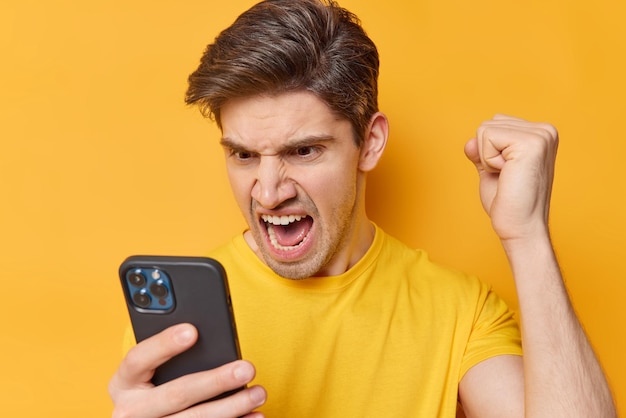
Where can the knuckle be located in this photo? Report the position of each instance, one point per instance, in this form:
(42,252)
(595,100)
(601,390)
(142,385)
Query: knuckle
(223,379)
(133,359)
(177,395)
(236,405)
(550,130)
(125,410)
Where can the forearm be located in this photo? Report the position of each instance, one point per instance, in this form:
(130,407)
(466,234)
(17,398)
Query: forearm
(562,375)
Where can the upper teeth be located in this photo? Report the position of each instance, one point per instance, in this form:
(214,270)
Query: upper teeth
(282,220)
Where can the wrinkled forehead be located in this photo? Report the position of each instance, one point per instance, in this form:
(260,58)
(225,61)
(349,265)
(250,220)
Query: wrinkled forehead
(265,123)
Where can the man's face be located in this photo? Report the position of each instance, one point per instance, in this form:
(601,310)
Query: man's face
(293,168)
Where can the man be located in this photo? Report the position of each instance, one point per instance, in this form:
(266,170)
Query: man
(335,317)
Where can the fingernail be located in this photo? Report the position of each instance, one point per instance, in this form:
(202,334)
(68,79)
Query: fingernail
(257,394)
(184,336)
(244,372)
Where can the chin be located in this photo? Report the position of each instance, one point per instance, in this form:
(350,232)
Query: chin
(305,268)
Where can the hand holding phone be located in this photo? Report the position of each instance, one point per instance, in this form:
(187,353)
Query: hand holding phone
(199,362)
(162,291)
(133,394)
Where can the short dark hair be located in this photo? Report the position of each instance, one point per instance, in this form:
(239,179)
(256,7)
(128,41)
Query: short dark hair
(280,46)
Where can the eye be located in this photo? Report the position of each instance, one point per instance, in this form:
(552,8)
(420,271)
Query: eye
(307,152)
(241,156)
(304,151)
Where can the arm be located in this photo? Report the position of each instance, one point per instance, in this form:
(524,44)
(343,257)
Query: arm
(561,375)
(134,396)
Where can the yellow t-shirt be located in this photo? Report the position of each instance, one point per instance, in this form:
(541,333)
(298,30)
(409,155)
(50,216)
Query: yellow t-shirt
(391,337)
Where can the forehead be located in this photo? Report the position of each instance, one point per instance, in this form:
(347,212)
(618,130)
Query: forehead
(263,123)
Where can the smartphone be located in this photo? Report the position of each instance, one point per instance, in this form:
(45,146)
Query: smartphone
(162,291)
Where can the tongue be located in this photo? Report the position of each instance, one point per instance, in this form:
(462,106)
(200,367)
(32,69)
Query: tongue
(292,234)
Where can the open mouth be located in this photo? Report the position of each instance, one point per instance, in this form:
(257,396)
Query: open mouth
(288,232)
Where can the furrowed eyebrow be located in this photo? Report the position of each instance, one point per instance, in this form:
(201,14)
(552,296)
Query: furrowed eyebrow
(227,143)
(308,141)
(289,146)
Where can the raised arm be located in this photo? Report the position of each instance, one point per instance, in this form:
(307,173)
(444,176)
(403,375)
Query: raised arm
(561,374)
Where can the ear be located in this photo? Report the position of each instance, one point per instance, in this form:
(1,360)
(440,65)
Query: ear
(374,142)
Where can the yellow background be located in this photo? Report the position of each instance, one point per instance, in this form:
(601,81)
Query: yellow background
(100,159)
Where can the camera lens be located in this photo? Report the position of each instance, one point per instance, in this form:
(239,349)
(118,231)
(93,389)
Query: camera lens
(141,299)
(158,289)
(136,278)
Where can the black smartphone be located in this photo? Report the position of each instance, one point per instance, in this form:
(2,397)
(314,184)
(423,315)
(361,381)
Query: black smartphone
(162,291)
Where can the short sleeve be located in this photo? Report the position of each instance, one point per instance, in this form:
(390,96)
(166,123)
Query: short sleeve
(495,331)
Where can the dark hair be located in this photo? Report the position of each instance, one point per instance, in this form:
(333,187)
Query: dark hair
(280,46)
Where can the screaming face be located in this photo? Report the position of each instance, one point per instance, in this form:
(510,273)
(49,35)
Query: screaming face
(295,172)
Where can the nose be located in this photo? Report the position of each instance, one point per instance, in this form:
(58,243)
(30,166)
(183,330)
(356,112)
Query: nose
(272,186)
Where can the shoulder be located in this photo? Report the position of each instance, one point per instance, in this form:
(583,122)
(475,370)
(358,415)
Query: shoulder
(416,265)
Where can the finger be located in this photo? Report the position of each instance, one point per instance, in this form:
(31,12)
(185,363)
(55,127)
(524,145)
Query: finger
(242,403)
(471,152)
(484,156)
(503,117)
(500,141)
(489,151)
(191,389)
(138,366)
(531,139)
(543,129)
(254,415)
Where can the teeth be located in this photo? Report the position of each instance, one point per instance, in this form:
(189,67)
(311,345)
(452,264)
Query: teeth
(282,220)
(275,244)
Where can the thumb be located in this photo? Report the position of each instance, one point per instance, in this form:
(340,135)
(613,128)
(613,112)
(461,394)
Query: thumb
(472,153)
(485,154)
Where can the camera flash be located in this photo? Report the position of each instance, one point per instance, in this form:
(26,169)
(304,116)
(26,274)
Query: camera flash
(156,275)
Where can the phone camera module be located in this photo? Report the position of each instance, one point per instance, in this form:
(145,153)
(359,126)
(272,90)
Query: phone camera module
(142,299)
(136,278)
(158,289)
(149,289)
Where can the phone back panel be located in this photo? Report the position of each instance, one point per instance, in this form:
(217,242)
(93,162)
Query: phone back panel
(201,297)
